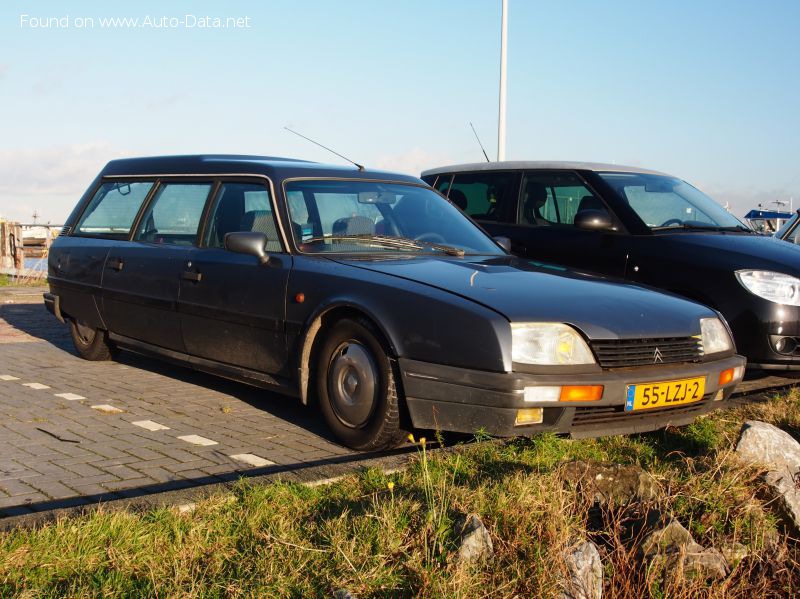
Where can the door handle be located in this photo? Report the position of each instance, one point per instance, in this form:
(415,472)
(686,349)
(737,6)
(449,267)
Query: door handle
(190,275)
(116,264)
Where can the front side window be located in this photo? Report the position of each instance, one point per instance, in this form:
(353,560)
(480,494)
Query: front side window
(484,196)
(554,199)
(242,207)
(330,216)
(664,202)
(174,214)
(113,208)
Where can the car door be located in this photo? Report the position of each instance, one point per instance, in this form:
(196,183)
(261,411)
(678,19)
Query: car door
(544,228)
(141,278)
(76,260)
(232,307)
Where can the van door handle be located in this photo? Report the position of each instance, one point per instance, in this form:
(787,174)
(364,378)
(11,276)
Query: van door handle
(116,264)
(190,275)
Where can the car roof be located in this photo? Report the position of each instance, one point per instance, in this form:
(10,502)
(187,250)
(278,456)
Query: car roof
(507,165)
(235,164)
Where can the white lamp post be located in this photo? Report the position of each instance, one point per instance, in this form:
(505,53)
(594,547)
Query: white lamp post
(501,117)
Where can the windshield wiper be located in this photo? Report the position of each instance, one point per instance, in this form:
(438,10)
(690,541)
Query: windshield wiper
(391,241)
(692,227)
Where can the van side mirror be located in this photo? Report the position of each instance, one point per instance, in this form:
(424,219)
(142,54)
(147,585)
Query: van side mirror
(593,220)
(251,243)
(503,242)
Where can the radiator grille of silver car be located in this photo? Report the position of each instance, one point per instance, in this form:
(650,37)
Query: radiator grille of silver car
(620,353)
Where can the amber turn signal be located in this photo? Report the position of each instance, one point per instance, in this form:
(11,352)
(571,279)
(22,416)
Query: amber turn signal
(581,393)
(726,376)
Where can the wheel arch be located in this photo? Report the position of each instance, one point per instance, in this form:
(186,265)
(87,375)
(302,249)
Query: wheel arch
(316,324)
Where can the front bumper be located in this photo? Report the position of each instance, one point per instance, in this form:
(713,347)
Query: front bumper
(460,400)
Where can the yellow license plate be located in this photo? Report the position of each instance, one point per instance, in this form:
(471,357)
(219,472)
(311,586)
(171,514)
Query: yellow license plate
(664,394)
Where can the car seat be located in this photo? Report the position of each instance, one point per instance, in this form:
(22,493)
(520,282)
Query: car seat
(535,199)
(263,222)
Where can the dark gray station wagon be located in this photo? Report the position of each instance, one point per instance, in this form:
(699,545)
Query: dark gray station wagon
(375,297)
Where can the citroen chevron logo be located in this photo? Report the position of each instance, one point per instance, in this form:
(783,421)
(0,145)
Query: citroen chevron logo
(657,356)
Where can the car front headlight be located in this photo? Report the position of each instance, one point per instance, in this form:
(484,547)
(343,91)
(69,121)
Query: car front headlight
(772,286)
(715,336)
(548,343)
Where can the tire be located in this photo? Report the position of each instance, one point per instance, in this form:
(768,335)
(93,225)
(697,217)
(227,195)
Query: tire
(357,388)
(91,344)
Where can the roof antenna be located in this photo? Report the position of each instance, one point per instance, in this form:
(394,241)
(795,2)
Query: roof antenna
(479,142)
(360,167)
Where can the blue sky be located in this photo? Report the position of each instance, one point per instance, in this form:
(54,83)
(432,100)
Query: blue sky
(708,90)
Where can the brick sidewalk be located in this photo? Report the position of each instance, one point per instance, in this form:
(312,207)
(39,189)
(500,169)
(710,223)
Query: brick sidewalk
(75,432)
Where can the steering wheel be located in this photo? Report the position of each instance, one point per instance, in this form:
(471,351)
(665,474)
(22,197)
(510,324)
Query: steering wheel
(672,221)
(430,237)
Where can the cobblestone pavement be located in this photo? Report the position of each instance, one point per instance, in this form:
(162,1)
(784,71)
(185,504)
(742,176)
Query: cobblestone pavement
(75,432)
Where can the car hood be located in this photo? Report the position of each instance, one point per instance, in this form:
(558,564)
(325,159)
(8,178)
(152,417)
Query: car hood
(525,291)
(748,251)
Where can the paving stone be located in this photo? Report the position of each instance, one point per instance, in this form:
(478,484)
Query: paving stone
(252,460)
(107,409)
(83,451)
(197,440)
(37,386)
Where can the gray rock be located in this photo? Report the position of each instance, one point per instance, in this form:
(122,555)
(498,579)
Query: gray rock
(766,445)
(611,483)
(762,443)
(670,539)
(343,594)
(476,544)
(734,553)
(584,578)
(674,548)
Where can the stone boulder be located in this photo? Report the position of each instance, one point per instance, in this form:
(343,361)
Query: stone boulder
(476,544)
(765,445)
(674,548)
(584,576)
(611,483)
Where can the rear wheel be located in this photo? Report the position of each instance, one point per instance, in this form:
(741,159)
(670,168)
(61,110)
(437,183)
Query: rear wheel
(357,387)
(90,343)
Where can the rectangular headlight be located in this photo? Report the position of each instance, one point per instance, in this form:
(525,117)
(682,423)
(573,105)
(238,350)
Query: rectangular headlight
(548,343)
(715,336)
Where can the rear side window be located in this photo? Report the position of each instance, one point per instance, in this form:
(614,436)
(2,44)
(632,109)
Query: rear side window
(174,214)
(554,199)
(113,209)
(242,207)
(484,196)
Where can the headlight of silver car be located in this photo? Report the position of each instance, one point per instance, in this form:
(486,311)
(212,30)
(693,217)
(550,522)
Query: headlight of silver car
(548,343)
(715,336)
(773,286)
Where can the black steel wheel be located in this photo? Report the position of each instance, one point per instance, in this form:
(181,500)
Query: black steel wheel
(90,343)
(357,387)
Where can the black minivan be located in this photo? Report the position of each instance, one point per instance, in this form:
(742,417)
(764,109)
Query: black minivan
(374,298)
(646,227)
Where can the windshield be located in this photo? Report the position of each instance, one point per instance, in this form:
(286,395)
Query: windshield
(330,216)
(667,203)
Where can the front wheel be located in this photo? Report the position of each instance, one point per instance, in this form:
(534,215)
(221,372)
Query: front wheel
(357,389)
(90,343)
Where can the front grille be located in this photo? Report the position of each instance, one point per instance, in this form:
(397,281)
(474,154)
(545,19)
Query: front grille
(620,353)
(613,414)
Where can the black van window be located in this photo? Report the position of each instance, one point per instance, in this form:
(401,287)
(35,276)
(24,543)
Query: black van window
(484,196)
(113,208)
(242,207)
(554,199)
(174,214)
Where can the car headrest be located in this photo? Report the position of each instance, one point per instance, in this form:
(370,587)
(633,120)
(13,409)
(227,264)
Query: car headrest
(353,225)
(458,198)
(259,220)
(535,193)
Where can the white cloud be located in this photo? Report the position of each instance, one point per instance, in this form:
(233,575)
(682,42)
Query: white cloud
(50,180)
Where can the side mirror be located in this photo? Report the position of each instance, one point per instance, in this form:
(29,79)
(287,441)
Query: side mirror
(503,242)
(248,242)
(593,220)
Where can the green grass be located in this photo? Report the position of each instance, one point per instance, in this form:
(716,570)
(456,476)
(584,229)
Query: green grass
(397,535)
